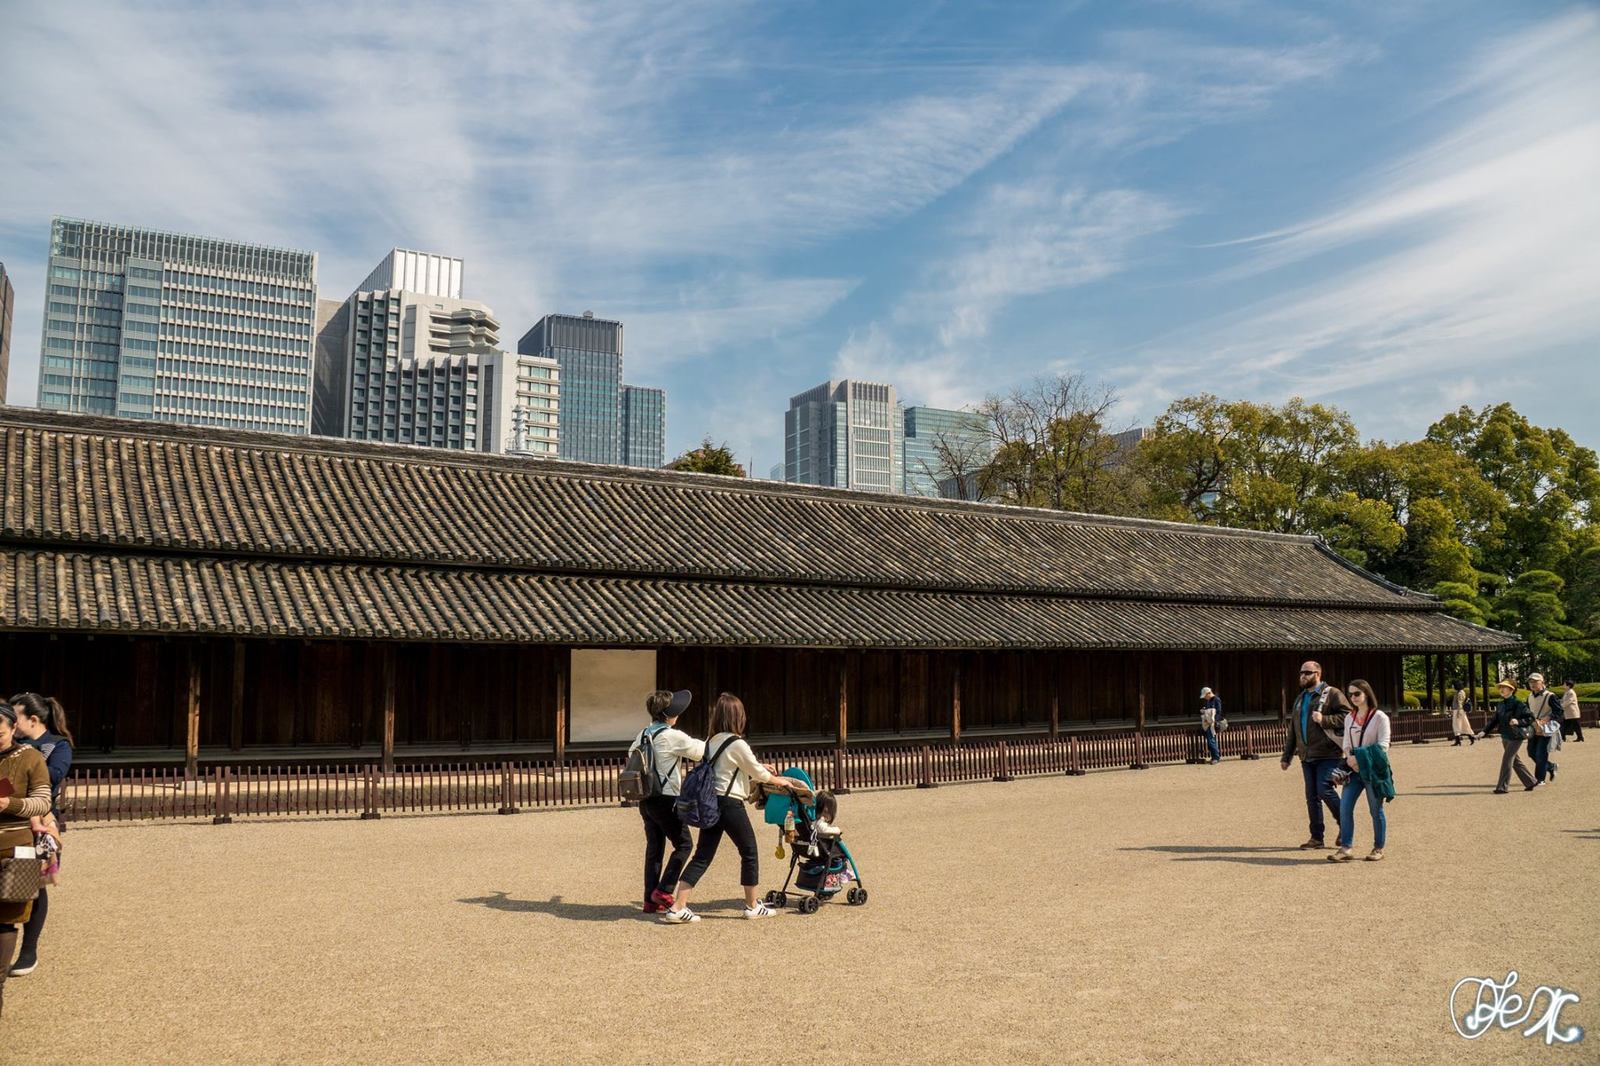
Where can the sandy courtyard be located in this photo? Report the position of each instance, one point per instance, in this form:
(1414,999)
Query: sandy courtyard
(1139,917)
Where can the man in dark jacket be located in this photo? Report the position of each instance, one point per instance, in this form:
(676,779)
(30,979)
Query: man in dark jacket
(1513,721)
(1316,721)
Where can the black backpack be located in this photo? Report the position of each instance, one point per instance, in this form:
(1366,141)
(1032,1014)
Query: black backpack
(639,779)
(697,799)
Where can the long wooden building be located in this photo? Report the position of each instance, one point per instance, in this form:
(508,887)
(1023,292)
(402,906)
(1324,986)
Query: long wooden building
(213,594)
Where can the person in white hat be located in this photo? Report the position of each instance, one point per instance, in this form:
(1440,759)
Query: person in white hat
(1210,711)
(1546,708)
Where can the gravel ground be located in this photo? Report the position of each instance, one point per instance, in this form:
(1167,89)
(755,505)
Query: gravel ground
(1138,917)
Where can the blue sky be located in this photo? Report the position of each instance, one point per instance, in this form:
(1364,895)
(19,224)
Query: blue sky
(1388,206)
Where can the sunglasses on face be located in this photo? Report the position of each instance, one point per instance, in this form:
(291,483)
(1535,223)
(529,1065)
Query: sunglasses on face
(1355,692)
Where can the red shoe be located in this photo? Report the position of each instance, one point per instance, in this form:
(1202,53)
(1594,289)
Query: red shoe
(653,908)
(661,899)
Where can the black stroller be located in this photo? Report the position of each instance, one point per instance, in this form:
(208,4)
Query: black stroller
(820,867)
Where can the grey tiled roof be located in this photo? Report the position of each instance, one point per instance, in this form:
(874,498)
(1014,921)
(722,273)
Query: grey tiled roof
(137,593)
(188,529)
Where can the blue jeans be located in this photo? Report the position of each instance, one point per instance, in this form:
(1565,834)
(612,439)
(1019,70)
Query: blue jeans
(1539,752)
(1211,743)
(1320,791)
(1353,789)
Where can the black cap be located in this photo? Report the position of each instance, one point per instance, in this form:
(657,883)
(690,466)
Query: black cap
(680,703)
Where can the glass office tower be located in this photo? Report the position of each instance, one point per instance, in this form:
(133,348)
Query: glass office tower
(174,328)
(843,434)
(644,427)
(934,437)
(588,351)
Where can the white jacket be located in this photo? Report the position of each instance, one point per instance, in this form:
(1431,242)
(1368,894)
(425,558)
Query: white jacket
(1375,731)
(738,766)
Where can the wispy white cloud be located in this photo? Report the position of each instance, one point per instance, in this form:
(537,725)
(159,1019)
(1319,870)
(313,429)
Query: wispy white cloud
(1461,258)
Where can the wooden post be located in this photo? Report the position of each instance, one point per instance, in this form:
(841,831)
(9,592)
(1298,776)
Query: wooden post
(563,668)
(1144,688)
(955,705)
(1427,680)
(191,747)
(236,703)
(1472,666)
(1483,663)
(388,707)
(1055,716)
(842,731)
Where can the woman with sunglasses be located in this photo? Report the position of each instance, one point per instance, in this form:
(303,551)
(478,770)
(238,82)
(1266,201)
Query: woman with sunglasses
(1364,726)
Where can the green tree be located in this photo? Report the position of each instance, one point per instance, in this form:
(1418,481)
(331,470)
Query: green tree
(708,459)
(1531,607)
(1051,447)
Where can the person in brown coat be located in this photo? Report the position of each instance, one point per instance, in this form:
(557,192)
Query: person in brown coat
(1316,729)
(24,795)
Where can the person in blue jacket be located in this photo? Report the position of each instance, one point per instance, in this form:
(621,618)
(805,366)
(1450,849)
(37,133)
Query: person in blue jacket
(42,723)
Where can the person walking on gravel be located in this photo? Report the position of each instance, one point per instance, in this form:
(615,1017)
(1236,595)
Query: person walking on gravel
(1316,725)
(668,747)
(1545,707)
(1571,713)
(1365,727)
(1210,713)
(42,724)
(1511,720)
(735,768)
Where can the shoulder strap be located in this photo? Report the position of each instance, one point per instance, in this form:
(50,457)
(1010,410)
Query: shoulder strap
(733,776)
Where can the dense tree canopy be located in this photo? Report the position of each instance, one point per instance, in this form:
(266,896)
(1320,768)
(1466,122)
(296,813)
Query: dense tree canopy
(1491,513)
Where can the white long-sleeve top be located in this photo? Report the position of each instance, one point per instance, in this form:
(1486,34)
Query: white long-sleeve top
(670,747)
(1374,731)
(738,766)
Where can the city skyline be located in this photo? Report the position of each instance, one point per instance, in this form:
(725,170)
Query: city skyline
(1199,200)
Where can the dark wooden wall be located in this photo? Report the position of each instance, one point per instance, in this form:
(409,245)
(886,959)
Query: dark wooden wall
(131,692)
(122,692)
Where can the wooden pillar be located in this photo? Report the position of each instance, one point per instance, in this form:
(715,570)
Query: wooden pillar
(563,674)
(1144,688)
(955,702)
(1472,667)
(236,700)
(191,746)
(388,707)
(1055,693)
(1483,662)
(842,732)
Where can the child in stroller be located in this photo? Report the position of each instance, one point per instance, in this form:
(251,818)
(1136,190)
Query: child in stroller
(820,865)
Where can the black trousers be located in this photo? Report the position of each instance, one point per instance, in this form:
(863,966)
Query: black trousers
(661,824)
(735,824)
(1572,727)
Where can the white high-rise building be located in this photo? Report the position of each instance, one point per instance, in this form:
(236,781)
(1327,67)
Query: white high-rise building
(844,434)
(406,360)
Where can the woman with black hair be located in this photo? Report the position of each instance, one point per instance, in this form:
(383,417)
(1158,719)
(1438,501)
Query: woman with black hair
(42,724)
(24,795)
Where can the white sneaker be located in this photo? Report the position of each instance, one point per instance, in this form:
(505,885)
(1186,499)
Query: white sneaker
(760,910)
(680,917)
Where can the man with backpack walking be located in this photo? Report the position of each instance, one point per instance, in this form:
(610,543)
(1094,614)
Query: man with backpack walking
(1315,733)
(654,776)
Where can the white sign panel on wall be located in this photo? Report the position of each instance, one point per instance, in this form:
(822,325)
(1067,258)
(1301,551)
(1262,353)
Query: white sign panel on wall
(608,691)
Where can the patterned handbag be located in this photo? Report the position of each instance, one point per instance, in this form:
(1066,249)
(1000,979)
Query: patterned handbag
(19,880)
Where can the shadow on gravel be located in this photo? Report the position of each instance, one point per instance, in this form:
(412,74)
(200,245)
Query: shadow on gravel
(1225,853)
(1584,834)
(557,907)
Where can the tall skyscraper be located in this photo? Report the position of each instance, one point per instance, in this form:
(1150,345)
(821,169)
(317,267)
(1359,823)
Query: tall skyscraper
(843,433)
(941,447)
(644,427)
(8,303)
(589,352)
(420,365)
(163,326)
